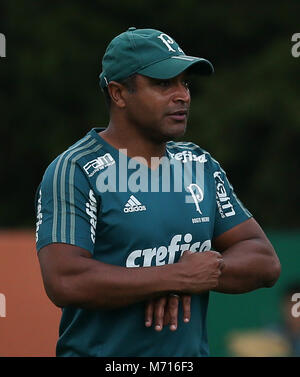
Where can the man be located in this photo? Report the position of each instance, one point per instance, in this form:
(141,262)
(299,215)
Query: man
(128,220)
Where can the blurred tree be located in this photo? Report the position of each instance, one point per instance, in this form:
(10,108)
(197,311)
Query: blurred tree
(246,115)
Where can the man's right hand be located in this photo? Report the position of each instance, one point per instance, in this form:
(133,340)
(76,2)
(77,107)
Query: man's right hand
(201,271)
(204,270)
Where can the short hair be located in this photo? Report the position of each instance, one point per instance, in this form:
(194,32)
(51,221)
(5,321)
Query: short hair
(130,85)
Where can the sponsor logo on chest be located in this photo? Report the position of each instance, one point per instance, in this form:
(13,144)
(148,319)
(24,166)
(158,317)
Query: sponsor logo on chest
(162,255)
(188,156)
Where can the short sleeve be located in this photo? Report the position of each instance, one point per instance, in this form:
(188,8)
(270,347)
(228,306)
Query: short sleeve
(66,207)
(229,209)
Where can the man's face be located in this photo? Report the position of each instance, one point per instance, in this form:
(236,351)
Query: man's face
(159,108)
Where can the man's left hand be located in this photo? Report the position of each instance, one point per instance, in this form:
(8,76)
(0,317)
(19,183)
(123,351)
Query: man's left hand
(164,311)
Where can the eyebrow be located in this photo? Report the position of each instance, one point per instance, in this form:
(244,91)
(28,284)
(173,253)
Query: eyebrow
(184,76)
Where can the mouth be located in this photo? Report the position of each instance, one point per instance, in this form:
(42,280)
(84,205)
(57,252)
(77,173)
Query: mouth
(179,115)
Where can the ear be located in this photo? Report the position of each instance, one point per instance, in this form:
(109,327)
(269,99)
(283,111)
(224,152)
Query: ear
(117,92)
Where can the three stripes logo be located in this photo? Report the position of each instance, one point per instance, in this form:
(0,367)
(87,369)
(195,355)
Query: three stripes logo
(133,205)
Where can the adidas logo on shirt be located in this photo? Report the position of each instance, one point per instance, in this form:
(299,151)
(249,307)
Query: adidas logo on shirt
(133,205)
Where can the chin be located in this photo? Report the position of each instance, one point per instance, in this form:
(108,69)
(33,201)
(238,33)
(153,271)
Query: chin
(175,131)
(167,133)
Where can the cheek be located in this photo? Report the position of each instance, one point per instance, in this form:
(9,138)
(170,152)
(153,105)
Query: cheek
(147,111)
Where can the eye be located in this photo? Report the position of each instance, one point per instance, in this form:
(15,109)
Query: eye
(186,84)
(164,83)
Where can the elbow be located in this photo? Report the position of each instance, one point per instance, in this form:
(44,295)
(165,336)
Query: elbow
(57,298)
(65,292)
(272,272)
(59,293)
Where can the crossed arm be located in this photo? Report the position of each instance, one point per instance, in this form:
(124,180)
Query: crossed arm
(245,261)
(249,263)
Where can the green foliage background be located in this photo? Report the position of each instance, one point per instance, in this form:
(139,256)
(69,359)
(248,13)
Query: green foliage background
(246,115)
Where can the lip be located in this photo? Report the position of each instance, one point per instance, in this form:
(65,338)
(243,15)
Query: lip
(179,115)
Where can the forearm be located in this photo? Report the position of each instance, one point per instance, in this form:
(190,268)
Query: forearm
(72,277)
(96,284)
(248,265)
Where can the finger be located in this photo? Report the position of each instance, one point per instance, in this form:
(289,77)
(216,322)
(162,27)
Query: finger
(173,303)
(149,313)
(185,254)
(186,305)
(219,255)
(219,258)
(222,264)
(166,318)
(159,310)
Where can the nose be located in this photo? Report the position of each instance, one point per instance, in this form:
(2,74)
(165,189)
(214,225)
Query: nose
(181,93)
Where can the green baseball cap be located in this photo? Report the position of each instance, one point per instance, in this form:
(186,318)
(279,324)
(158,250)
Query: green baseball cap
(150,53)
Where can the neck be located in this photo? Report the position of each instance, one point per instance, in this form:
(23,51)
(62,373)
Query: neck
(136,144)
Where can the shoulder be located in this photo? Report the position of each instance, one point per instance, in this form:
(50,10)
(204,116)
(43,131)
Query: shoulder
(79,161)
